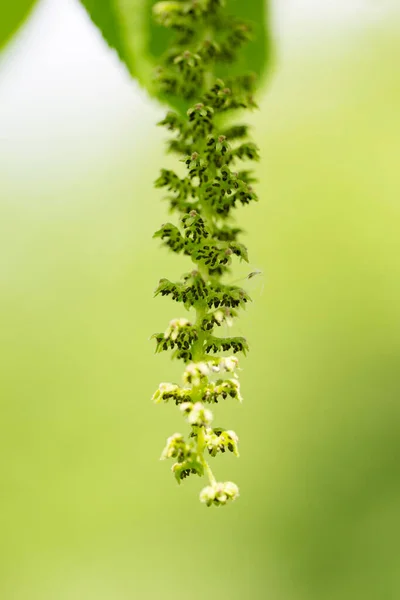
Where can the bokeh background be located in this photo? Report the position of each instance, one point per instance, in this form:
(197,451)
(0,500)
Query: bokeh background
(87,510)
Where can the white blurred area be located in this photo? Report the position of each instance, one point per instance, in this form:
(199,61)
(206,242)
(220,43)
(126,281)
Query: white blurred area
(65,99)
(64,95)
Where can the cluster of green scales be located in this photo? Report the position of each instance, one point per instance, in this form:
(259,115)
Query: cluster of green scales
(211,184)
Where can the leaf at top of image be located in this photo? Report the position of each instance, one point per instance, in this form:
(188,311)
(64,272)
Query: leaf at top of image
(12,14)
(128,26)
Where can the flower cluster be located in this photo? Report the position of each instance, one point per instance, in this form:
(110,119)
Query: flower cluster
(219,493)
(203,195)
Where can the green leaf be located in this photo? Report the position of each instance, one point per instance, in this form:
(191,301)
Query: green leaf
(128,26)
(12,14)
(256,56)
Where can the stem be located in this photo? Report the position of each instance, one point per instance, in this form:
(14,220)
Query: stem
(209,472)
(198,346)
(198,355)
(201,444)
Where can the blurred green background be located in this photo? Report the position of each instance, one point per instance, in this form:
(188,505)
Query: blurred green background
(87,510)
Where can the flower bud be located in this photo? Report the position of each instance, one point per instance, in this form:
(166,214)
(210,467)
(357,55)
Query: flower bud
(219,493)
